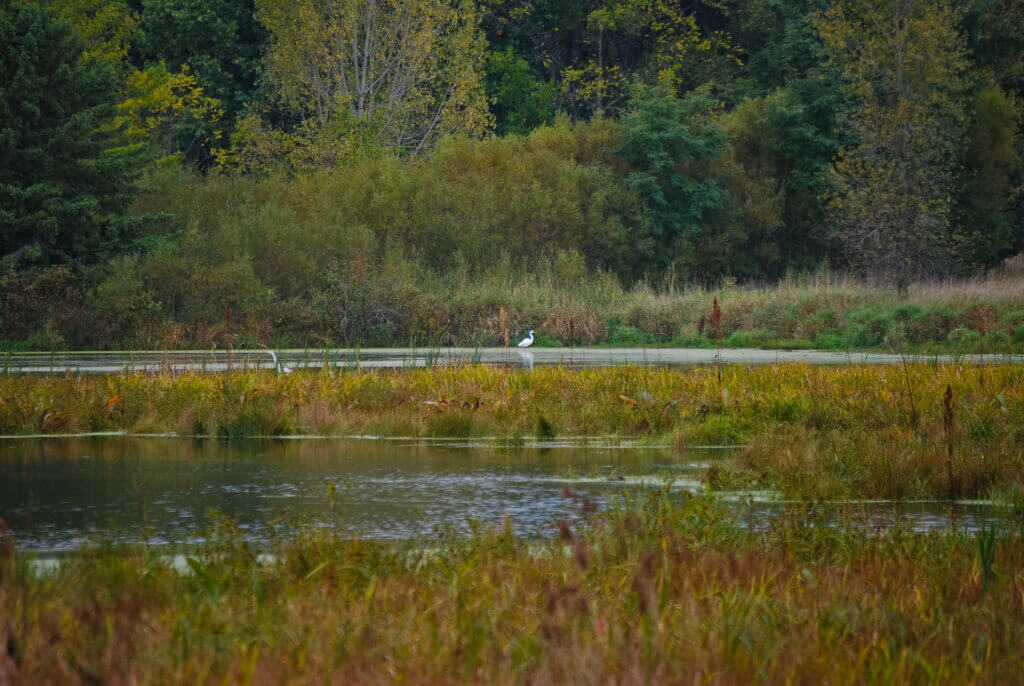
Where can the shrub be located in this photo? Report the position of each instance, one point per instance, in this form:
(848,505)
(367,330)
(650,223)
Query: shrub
(823,321)
(741,339)
(930,327)
(996,339)
(629,335)
(964,338)
(867,328)
(980,318)
(829,340)
(41,303)
(905,313)
(546,341)
(1011,320)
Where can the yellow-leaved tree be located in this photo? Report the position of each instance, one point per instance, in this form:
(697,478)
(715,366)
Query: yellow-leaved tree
(397,74)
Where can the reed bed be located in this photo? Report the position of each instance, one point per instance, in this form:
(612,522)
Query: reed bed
(818,432)
(656,589)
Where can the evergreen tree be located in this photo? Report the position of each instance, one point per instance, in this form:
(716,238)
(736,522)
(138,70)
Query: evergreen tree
(219,42)
(66,171)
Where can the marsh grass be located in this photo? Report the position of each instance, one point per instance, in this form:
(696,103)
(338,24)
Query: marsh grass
(399,302)
(656,589)
(815,432)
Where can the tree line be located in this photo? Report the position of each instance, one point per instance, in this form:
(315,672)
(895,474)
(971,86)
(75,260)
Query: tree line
(743,138)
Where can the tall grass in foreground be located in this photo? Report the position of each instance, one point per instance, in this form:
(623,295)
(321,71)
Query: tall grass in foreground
(655,590)
(825,432)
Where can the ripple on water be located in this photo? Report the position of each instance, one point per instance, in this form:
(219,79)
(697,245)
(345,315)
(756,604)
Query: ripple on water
(56,500)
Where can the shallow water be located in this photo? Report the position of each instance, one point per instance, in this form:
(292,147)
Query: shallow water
(376,358)
(60,493)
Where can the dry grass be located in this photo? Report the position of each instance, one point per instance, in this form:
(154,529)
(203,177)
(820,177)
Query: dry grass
(656,590)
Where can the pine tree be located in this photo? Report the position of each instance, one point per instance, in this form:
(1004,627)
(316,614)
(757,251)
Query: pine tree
(66,172)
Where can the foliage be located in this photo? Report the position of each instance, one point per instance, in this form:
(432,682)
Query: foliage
(904,64)
(66,168)
(218,42)
(674,148)
(519,102)
(412,75)
(991,167)
(663,144)
(170,111)
(108,28)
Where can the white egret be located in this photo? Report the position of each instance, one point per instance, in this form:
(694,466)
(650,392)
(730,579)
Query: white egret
(526,342)
(283,369)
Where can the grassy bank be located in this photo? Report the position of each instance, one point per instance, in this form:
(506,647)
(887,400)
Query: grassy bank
(655,590)
(809,431)
(397,304)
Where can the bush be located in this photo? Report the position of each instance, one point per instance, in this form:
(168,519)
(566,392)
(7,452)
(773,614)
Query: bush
(963,338)
(980,318)
(1011,320)
(867,328)
(829,340)
(43,304)
(630,335)
(996,339)
(930,327)
(741,339)
(817,323)
(545,341)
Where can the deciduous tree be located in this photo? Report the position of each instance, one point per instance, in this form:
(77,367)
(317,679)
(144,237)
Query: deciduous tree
(408,70)
(904,63)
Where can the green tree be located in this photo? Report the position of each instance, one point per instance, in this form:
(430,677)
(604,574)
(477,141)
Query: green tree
(672,147)
(904,63)
(219,42)
(593,49)
(66,169)
(519,101)
(168,110)
(986,180)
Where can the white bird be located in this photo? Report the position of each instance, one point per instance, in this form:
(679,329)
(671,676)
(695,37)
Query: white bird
(526,342)
(283,369)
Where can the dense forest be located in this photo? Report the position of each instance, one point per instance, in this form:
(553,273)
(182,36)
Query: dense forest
(181,172)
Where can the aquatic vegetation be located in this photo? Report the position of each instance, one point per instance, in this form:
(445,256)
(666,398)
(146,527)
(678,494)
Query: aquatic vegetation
(656,589)
(850,431)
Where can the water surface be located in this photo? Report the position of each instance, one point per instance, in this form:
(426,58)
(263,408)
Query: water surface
(60,493)
(376,358)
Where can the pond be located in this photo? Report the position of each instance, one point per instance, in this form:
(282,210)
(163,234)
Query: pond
(59,493)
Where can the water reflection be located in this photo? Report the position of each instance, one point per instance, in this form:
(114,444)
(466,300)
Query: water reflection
(56,493)
(59,493)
